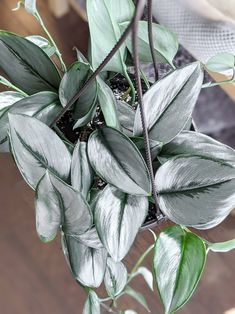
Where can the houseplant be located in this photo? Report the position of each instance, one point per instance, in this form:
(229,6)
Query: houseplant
(131,153)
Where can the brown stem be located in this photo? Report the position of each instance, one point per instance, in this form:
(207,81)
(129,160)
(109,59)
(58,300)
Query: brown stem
(150,35)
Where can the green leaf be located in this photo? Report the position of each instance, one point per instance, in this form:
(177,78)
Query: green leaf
(118,161)
(221,62)
(118,217)
(30,6)
(195,191)
(33,71)
(7,99)
(165,43)
(126,116)
(59,204)
(169,103)
(147,275)
(108,104)
(179,259)
(137,296)
(81,171)
(155,146)
(189,143)
(87,264)
(37,148)
(222,247)
(42,43)
(115,278)
(72,82)
(103,24)
(92,305)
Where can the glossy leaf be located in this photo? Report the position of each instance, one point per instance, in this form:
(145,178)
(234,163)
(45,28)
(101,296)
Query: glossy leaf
(189,143)
(108,104)
(195,191)
(118,217)
(221,62)
(92,305)
(169,103)
(72,82)
(59,204)
(126,116)
(33,71)
(87,264)
(104,28)
(178,262)
(137,296)
(37,148)
(222,247)
(147,275)
(165,43)
(115,278)
(81,171)
(42,43)
(118,161)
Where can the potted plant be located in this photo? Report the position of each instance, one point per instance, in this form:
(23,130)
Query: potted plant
(106,160)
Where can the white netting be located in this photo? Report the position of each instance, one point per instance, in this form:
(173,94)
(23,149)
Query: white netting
(200,35)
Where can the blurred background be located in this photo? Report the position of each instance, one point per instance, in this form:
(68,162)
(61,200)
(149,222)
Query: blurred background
(34,278)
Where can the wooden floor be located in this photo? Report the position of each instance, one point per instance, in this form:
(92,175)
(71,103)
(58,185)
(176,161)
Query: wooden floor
(34,278)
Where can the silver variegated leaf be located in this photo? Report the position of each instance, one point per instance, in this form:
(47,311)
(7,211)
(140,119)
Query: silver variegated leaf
(169,103)
(118,161)
(43,43)
(87,264)
(179,259)
(118,217)
(90,238)
(126,115)
(115,278)
(37,148)
(194,191)
(92,304)
(59,204)
(81,171)
(190,143)
(30,6)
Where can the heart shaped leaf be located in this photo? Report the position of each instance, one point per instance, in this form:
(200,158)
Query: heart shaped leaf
(115,278)
(195,191)
(165,43)
(87,264)
(221,62)
(190,143)
(72,82)
(37,148)
(81,171)
(179,259)
(92,305)
(118,161)
(33,71)
(169,103)
(59,204)
(118,217)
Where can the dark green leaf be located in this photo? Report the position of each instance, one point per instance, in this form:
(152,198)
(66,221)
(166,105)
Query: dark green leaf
(155,146)
(37,148)
(87,264)
(72,82)
(92,305)
(222,247)
(115,278)
(33,71)
(165,43)
(190,143)
(42,43)
(81,171)
(118,161)
(196,192)
(178,262)
(59,204)
(137,296)
(169,103)
(118,217)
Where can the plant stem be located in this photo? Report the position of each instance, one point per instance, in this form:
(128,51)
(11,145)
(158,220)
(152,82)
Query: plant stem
(144,78)
(5,82)
(229,81)
(150,35)
(132,87)
(58,53)
(138,15)
(141,259)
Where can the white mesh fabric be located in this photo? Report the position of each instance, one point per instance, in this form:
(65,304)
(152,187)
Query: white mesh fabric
(202,37)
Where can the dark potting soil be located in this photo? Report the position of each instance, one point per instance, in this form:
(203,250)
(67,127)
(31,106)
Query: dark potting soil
(119,86)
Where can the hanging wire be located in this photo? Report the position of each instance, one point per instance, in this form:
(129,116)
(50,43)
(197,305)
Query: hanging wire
(150,36)
(139,12)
